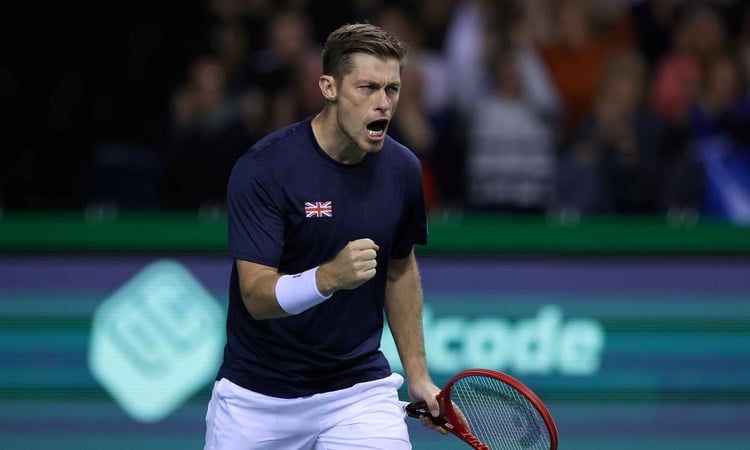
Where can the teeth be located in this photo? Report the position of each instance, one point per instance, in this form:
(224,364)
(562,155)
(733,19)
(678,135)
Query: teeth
(375,132)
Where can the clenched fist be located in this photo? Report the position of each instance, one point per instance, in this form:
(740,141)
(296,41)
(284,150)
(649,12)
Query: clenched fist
(352,266)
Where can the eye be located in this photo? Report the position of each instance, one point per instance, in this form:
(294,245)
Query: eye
(393,89)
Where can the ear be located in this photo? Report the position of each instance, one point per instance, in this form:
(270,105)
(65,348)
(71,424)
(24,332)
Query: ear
(327,86)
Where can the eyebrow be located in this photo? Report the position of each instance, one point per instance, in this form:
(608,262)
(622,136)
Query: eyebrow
(377,83)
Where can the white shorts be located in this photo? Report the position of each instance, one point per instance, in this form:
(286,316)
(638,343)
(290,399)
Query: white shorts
(365,416)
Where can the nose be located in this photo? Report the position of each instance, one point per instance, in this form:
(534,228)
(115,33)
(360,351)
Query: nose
(382,101)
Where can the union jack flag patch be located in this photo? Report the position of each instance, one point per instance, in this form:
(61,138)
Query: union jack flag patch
(318,209)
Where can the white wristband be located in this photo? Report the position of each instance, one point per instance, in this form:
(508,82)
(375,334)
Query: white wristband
(298,292)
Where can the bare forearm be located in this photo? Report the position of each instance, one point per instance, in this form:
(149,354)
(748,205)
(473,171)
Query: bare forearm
(258,293)
(403,307)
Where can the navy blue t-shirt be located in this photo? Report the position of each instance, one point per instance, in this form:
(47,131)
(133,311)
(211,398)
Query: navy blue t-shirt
(293,207)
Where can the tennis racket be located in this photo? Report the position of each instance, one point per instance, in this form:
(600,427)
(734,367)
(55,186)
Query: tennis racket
(490,410)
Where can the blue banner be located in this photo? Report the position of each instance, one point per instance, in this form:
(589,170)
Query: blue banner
(119,352)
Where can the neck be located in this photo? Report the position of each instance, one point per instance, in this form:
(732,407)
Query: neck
(331,138)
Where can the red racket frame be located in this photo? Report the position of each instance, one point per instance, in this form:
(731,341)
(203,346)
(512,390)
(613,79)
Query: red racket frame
(452,421)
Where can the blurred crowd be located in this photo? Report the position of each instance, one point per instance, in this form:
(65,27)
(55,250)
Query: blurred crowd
(560,107)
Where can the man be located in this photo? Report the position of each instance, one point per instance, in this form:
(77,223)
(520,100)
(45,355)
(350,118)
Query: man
(323,215)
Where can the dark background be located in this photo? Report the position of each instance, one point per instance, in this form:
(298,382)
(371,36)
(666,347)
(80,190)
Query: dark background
(78,73)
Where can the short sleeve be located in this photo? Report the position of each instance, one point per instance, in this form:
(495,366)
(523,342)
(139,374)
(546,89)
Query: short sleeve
(255,222)
(413,227)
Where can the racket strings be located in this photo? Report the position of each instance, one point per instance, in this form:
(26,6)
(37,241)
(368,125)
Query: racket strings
(498,415)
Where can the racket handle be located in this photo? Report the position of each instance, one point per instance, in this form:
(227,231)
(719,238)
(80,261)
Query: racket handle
(418,409)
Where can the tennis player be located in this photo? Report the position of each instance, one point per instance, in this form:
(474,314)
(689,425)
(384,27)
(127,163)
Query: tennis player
(323,216)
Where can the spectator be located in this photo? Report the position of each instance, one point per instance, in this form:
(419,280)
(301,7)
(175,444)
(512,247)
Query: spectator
(274,70)
(653,24)
(435,17)
(465,38)
(719,140)
(721,107)
(464,48)
(511,143)
(206,136)
(237,30)
(289,40)
(301,97)
(578,50)
(675,98)
(610,165)
(698,34)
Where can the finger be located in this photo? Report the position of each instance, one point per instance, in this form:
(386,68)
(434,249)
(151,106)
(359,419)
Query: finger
(433,406)
(364,244)
(427,422)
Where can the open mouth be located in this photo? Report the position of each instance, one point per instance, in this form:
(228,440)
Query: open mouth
(377,128)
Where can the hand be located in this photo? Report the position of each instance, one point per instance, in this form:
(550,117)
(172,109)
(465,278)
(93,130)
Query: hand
(427,392)
(353,266)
